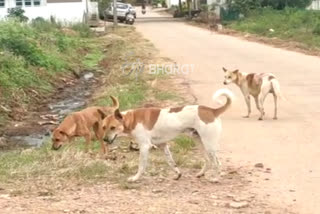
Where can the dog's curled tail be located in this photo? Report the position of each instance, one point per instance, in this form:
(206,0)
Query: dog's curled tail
(225,93)
(115,102)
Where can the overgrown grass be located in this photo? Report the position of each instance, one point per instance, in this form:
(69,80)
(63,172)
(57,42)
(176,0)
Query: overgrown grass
(33,55)
(42,168)
(130,95)
(166,95)
(302,26)
(92,59)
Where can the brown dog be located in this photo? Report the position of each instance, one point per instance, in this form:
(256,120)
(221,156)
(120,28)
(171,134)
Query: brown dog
(79,124)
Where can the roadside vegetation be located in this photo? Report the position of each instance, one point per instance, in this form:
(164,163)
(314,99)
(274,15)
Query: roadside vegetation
(35,56)
(46,171)
(296,25)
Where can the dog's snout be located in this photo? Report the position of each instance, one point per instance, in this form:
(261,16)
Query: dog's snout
(55,148)
(225,82)
(110,140)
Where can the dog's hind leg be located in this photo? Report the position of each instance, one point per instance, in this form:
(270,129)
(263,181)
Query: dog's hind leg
(275,97)
(171,162)
(210,135)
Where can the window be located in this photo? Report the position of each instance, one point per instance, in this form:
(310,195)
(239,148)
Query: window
(19,3)
(2,3)
(36,2)
(26,3)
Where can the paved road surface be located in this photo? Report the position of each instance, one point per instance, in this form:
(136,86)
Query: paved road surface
(289,146)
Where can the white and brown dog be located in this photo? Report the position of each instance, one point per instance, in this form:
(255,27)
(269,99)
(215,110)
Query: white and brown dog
(155,126)
(257,85)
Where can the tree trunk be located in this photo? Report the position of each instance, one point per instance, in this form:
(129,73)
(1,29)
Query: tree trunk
(189,8)
(180,6)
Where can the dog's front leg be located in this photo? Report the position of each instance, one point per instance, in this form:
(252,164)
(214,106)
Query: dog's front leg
(143,160)
(247,98)
(88,141)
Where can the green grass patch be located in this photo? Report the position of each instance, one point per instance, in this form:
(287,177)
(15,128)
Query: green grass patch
(290,24)
(183,144)
(93,58)
(32,55)
(166,95)
(130,95)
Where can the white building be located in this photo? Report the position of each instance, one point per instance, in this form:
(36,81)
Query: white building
(62,10)
(315,5)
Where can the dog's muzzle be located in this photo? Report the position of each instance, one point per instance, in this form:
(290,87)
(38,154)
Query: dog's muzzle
(56,148)
(110,141)
(225,83)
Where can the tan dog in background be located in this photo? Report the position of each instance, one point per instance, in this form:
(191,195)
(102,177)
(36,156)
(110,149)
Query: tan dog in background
(258,85)
(79,124)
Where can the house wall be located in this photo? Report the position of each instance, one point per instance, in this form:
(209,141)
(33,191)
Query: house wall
(63,10)
(315,5)
(171,3)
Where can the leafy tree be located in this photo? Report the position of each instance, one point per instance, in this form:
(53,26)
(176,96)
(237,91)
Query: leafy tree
(18,14)
(243,6)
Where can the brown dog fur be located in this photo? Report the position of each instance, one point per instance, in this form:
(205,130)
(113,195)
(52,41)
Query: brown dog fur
(79,124)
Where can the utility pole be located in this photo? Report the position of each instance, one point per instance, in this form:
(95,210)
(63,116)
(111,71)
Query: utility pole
(115,18)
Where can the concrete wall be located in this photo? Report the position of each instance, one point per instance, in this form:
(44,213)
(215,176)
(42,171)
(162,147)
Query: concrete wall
(72,11)
(315,5)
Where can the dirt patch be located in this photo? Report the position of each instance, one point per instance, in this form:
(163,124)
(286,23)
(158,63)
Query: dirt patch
(30,127)
(154,193)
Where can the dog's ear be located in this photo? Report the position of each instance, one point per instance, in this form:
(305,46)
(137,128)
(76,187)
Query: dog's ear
(63,133)
(224,69)
(118,115)
(102,114)
(236,71)
(115,102)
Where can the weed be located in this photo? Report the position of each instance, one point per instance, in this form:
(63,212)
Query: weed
(289,24)
(184,143)
(129,95)
(166,95)
(83,29)
(93,58)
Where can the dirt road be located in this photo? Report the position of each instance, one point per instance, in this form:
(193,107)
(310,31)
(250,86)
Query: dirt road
(290,145)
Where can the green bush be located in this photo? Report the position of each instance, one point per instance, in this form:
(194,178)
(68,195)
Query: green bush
(316,29)
(281,4)
(243,6)
(31,53)
(17,13)
(15,75)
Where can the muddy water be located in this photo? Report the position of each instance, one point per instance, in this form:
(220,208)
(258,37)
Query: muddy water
(36,130)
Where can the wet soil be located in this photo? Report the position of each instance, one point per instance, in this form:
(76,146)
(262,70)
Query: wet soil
(33,128)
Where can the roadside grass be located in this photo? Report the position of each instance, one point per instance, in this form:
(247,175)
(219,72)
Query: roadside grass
(166,95)
(92,59)
(130,95)
(302,26)
(31,170)
(34,56)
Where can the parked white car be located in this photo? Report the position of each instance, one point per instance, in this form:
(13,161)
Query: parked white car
(122,11)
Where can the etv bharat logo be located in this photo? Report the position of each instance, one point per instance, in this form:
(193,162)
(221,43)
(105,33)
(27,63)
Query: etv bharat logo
(137,67)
